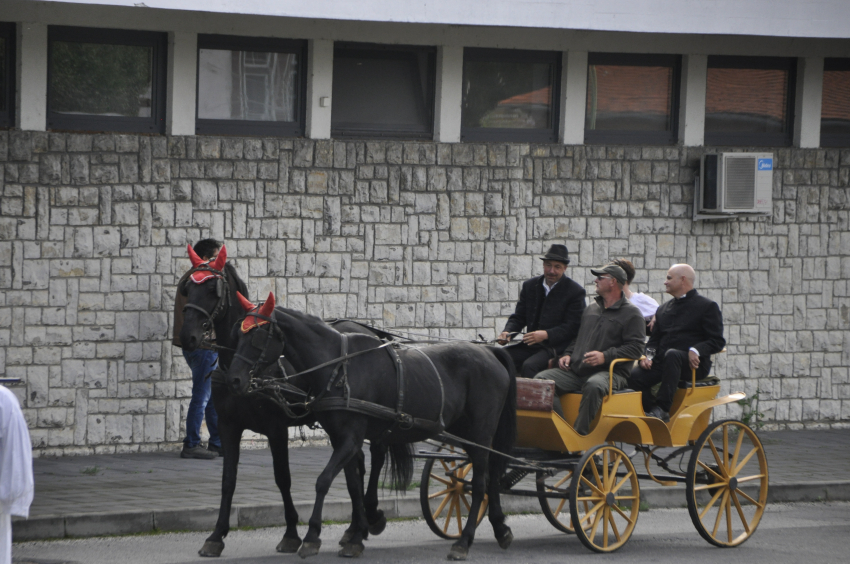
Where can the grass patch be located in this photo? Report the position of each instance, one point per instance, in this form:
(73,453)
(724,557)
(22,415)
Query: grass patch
(389,486)
(90,470)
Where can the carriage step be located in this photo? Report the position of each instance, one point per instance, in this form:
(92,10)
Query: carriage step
(513,477)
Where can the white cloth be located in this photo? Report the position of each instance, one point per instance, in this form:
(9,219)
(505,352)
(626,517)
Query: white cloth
(16,481)
(644,303)
(548,289)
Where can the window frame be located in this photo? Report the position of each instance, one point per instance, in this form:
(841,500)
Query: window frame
(784,139)
(204,126)
(386,51)
(509,134)
(158,41)
(834,139)
(637,137)
(7,116)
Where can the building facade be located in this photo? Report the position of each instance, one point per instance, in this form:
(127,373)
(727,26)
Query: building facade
(405,167)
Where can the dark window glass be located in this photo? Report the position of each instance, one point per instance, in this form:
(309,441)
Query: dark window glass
(510,95)
(632,98)
(383,91)
(7,66)
(250,85)
(749,101)
(111,80)
(835,109)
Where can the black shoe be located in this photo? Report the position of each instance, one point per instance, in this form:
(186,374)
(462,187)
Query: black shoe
(216,449)
(197,452)
(659,413)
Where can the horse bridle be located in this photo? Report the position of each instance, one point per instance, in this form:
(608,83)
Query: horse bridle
(222,288)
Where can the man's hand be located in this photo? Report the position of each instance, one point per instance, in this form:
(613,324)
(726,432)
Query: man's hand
(594,358)
(693,359)
(564,362)
(503,338)
(646,364)
(651,323)
(535,337)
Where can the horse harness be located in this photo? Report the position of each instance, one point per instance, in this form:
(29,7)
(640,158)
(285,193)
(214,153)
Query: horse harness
(222,290)
(339,379)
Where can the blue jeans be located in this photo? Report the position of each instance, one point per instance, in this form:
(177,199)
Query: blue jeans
(202,362)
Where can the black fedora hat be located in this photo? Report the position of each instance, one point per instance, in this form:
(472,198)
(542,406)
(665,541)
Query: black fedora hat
(558,253)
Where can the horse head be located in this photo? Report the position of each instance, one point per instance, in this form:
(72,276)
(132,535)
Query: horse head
(259,343)
(207,295)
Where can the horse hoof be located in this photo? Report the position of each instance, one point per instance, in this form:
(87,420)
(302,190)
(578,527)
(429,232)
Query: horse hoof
(310,548)
(457,553)
(506,539)
(211,548)
(346,538)
(378,526)
(351,550)
(288,545)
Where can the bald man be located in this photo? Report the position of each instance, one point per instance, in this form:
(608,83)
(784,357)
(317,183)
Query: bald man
(688,330)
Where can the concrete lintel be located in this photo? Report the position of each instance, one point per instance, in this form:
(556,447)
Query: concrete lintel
(808,101)
(573,97)
(181,80)
(320,71)
(449,94)
(692,100)
(31,76)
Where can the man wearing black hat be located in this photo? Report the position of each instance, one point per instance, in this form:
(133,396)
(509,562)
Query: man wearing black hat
(550,308)
(611,327)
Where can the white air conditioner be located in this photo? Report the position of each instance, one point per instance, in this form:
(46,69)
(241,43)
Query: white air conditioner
(734,183)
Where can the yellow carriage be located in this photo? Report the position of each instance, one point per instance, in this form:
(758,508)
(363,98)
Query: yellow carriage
(588,485)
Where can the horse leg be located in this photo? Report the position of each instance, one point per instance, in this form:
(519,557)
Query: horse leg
(349,532)
(503,533)
(375,517)
(279,445)
(354,481)
(344,452)
(460,549)
(230,436)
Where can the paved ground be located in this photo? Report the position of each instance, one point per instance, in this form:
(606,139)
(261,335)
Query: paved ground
(121,494)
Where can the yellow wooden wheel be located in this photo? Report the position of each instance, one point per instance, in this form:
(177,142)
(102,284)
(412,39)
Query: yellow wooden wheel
(604,498)
(556,509)
(727,483)
(445,494)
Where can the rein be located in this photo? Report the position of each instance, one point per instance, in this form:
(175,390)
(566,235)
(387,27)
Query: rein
(223,291)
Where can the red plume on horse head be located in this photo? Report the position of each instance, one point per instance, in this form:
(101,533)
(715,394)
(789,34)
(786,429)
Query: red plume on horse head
(217,264)
(252,321)
(244,302)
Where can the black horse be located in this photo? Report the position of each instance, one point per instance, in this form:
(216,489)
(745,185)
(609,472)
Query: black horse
(212,303)
(388,397)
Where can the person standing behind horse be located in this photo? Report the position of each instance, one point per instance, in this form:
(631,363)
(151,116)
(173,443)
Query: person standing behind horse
(647,306)
(201,362)
(550,308)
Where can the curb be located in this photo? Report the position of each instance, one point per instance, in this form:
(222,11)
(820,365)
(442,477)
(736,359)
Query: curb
(271,515)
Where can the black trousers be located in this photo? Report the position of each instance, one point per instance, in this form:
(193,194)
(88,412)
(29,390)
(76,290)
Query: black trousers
(529,360)
(669,371)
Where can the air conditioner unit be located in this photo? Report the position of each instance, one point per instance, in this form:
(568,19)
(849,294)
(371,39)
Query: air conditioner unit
(734,183)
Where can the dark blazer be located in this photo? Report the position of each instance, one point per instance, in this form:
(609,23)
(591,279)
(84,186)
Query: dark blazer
(560,311)
(692,321)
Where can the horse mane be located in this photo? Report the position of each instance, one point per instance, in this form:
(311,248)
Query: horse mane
(230,270)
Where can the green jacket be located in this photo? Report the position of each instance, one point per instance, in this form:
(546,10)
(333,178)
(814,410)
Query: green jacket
(617,332)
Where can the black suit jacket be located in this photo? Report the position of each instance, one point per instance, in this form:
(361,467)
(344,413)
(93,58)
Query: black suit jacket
(692,321)
(560,311)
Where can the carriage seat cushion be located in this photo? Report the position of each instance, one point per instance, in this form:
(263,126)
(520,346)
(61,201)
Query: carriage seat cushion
(534,395)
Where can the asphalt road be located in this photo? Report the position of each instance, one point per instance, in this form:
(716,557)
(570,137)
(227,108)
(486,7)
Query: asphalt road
(801,532)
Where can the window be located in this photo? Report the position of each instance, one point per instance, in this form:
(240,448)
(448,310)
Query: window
(106,79)
(7,74)
(510,95)
(383,91)
(750,101)
(632,98)
(835,110)
(250,86)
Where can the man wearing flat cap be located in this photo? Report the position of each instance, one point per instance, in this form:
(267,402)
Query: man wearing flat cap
(611,327)
(550,308)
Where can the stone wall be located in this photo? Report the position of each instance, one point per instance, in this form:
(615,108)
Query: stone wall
(426,237)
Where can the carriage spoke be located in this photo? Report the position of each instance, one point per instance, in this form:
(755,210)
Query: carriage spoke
(741,513)
(465,502)
(711,503)
(729,516)
(750,478)
(719,514)
(707,468)
(592,486)
(622,514)
(751,500)
(606,459)
(464,471)
(709,486)
(614,524)
(596,520)
(738,445)
(560,482)
(623,481)
(613,474)
(448,516)
(726,446)
(560,507)
(459,519)
(438,494)
(442,506)
(720,463)
(591,512)
(444,481)
(744,462)
(606,514)
(484,503)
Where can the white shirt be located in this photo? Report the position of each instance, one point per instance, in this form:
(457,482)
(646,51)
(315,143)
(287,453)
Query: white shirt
(16,481)
(644,303)
(547,289)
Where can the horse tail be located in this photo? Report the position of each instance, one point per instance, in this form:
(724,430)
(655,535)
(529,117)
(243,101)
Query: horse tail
(506,431)
(399,473)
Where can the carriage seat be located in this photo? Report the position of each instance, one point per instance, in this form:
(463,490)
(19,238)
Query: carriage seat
(535,395)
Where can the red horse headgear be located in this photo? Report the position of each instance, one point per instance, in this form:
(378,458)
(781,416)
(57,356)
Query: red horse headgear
(252,321)
(202,276)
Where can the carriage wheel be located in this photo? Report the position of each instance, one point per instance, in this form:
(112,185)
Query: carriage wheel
(604,498)
(445,494)
(556,510)
(728,459)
